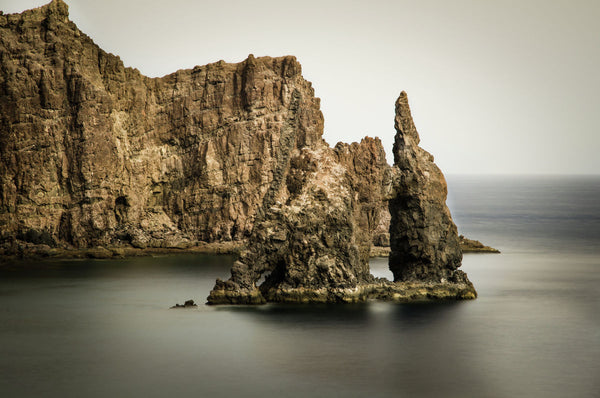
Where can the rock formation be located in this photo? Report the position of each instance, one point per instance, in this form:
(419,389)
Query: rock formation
(186,304)
(423,238)
(313,243)
(308,243)
(96,156)
(369,175)
(474,246)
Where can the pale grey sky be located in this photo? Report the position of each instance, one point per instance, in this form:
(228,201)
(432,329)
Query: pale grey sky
(495,86)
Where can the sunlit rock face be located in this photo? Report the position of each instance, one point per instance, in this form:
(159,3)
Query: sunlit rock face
(93,153)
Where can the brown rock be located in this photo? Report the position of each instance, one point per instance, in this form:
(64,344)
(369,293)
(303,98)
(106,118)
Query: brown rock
(423,238)
(312,242)
(96,156)
(307,244)
(369,177)
(93,153)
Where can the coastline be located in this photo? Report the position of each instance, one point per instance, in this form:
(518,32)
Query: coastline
(24,250)
(467,246)
(30,251)
(474,246)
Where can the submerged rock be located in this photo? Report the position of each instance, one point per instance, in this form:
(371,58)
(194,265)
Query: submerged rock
(474,246)
(187,304)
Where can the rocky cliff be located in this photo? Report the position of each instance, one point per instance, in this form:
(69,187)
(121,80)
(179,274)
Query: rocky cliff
(95,154)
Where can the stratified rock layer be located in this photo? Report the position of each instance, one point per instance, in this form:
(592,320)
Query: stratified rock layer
(423,238)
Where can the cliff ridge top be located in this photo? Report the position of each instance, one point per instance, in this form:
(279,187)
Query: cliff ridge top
(55,7)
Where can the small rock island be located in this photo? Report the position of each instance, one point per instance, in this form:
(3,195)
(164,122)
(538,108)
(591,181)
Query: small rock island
(309,246)
(98,160)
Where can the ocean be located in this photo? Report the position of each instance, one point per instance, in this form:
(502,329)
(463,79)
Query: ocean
(103,328)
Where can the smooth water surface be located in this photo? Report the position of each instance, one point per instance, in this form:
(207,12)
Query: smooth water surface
(99,328)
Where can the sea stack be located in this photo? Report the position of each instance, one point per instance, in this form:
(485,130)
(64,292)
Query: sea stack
(310,245)
(424,241)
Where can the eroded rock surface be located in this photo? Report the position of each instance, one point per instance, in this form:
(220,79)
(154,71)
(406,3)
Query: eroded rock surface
(423,238)
(370,178)
(313,243)
(95,154)
(307,244)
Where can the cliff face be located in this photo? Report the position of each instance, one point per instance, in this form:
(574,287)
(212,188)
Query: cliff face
(370,178)
(93,153)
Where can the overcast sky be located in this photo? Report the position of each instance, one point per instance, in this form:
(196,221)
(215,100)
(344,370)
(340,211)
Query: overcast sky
(495,86)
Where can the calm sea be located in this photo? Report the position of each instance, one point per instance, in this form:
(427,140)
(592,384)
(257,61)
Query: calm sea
(104,328)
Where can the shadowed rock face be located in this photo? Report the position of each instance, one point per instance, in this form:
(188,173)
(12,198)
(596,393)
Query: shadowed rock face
(423,238)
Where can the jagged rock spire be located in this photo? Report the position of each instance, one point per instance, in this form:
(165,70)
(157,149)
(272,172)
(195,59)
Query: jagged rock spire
(403,123)
(423,237)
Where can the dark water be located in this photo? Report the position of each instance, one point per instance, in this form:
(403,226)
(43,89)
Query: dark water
(103,328)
